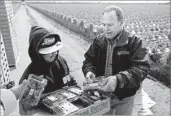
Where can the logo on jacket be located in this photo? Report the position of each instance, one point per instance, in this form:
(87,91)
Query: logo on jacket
(123,52)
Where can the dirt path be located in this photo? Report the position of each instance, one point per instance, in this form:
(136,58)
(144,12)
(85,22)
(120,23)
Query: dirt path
(22,28)
(161,95)
(73,50)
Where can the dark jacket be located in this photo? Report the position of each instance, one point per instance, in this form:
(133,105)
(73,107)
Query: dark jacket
(128,62)
(53,72)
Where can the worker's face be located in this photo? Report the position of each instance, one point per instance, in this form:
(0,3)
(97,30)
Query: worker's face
(111,24)
(50,57)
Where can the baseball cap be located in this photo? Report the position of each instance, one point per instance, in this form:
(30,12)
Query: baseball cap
(49,45)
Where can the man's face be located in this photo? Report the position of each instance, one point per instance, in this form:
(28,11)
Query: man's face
(111,24)
(50,57)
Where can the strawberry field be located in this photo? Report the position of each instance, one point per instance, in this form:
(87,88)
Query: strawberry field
(151,22)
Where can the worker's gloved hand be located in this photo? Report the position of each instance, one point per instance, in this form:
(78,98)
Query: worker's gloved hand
(72,81)
(109,84)
(90,76)
(69,80)
(17,90)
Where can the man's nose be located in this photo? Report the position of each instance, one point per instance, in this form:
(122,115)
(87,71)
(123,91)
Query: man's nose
(106,27)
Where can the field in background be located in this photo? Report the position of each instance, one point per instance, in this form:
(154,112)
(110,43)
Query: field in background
(92,12)
(149,21)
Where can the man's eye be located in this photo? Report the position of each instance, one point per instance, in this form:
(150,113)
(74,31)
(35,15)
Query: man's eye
(110,25)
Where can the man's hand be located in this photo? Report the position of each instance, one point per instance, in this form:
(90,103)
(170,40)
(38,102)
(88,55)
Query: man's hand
(109,84)
(89,78)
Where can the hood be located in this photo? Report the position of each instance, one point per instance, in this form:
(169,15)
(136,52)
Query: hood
(37,34)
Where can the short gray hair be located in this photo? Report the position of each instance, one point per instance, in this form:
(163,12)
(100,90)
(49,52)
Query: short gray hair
(118,10)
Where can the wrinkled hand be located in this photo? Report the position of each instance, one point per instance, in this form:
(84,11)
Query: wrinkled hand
(89,78)
(109,84)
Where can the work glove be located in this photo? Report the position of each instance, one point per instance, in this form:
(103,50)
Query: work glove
(17,90)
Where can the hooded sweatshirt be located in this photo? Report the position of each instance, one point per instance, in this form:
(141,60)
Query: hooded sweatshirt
(54,71)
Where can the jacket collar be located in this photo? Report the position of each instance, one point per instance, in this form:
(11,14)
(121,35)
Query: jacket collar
(122,38)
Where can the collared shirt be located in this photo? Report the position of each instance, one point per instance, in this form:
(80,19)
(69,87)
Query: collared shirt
(110,46)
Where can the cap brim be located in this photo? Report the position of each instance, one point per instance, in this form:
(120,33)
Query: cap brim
(51,49)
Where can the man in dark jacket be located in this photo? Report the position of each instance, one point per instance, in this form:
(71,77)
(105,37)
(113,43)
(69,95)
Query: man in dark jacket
(45,60)
(119,57)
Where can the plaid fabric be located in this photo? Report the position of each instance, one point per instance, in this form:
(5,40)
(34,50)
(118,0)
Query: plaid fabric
(110,46)
(108,67)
